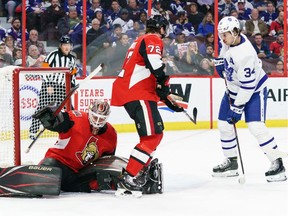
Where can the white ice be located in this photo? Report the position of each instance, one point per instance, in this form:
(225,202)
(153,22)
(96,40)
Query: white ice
(188,158)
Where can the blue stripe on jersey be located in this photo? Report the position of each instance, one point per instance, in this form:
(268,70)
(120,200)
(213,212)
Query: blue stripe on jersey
(246,82)
(248,88)
(263,79)
(227,148)
(266,143)
(228,140)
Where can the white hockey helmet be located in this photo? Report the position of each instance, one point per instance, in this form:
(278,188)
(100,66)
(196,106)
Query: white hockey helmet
(98,113)
(228,24)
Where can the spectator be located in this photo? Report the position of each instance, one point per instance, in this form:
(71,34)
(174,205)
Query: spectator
(209,40)
(225,7)
(17,55)
(195,17)
(261,47)
(49,20)
(133,10)
(157,7)
(72,4)
(33,40)
(115,34)
(255,25)
(94,33)
(280,6)
(279,71)
(277,46)
(177,6)
(247,4)
(243,12)
(34,10)
(206,67)
(133,33)
(260,5)
(119,52)
(124,21)
(207,25)
(114,12)
(209,53)
(180,46)
(16,31)
(270,14)
(182,25)
(205,5)
(10,43)
(277,25)
(96,4)
(5,57)
(192,58)
(104,25)
(11,6)
(241,22)
(34,58)
(142,20)
(71,25)
(3,32)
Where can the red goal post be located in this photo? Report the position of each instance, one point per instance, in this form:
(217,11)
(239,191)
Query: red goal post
(19,98)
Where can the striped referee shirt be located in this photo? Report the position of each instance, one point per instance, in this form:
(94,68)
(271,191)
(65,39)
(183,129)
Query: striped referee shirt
(57,59)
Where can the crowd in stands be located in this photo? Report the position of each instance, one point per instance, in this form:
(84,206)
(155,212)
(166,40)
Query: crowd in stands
(112,25)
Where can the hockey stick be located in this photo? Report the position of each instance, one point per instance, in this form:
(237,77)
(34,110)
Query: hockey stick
(194,119)
(241,179)
(173,98)
(68,96)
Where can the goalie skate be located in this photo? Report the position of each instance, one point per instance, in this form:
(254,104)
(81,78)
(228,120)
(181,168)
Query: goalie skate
(229,168)
(155,178)
(276,172)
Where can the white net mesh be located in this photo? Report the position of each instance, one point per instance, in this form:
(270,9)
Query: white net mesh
(37,88)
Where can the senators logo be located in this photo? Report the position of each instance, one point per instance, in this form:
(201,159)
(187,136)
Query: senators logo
(89,153)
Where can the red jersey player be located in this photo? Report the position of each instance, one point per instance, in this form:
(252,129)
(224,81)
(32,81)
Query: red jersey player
(138,88)
(83,138)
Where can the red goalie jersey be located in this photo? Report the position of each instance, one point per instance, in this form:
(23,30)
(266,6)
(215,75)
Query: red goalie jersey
(78,147)
(136,80)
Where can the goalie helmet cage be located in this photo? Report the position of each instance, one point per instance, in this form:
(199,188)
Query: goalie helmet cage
(19,99)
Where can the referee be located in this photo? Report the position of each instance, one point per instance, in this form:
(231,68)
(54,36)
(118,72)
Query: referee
(53,86)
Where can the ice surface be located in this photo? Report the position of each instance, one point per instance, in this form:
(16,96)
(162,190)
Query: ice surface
(188,158)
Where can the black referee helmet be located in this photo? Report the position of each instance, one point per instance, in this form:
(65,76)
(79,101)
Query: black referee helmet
(65,39)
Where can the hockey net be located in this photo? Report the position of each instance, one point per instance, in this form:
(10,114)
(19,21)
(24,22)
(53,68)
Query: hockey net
(19,99)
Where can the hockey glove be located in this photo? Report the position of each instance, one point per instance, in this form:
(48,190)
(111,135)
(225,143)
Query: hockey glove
(219,65)
(163,87)
(47,118)
(234,114)
(173,105)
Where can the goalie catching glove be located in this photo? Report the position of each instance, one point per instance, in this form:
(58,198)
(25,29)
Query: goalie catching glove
(48,119)
(164,92)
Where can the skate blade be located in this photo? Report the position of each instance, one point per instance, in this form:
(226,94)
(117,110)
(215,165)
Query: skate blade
(277,178)
(230,173)
(121,192)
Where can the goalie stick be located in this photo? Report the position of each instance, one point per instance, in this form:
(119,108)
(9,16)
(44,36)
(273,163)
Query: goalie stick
(60,107)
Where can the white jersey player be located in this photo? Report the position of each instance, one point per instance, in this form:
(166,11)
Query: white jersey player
(246,82)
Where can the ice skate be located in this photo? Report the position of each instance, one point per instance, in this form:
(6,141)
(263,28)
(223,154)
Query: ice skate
(130,186)
(276,172)
(155,178)
(228,168)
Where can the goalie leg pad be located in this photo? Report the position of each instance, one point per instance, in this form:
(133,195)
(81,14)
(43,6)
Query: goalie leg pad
(155,178)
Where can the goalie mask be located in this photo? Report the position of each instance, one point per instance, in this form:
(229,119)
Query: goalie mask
(98,113)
